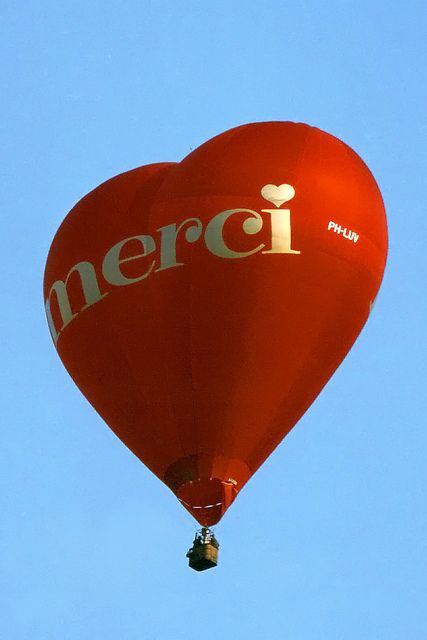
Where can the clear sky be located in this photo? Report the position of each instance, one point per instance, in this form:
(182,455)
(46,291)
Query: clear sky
(329,538)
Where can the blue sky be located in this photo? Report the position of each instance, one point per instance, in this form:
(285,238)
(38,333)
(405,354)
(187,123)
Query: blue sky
(329,538)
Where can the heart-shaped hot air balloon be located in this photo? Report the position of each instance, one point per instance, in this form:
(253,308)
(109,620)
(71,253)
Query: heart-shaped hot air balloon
(201,306)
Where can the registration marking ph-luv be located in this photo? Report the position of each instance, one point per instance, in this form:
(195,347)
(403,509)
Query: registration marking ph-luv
(348,234)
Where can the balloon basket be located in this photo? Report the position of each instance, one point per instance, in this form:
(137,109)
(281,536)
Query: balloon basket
(204,552)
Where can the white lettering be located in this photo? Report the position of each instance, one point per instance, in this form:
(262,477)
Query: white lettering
(111,264)
(169,234)
(280,231)
(346,233)
(91,294)
(214,237)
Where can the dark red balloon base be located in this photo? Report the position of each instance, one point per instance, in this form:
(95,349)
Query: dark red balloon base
(207,485)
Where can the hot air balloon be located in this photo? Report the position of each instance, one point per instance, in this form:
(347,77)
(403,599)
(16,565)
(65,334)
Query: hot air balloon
(201,306)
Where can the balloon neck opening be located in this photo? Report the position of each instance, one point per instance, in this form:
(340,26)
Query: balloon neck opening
(207,499)
(207,485)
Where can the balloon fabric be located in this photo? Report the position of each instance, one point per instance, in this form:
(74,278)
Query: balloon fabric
(201,306)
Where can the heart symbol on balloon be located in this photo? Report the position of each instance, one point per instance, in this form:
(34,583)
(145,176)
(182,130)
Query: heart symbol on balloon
(278,194)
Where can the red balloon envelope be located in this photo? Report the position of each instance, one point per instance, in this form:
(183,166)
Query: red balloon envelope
(201,306)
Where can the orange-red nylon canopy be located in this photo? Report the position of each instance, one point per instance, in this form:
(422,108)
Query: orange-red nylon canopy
(201,306)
